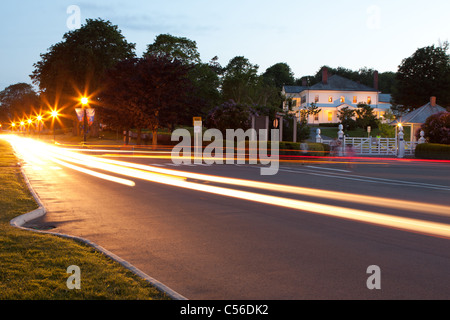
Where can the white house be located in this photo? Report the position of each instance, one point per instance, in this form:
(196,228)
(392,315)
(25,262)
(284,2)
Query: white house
(334,93)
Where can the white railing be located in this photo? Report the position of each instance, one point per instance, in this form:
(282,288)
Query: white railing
(376,146)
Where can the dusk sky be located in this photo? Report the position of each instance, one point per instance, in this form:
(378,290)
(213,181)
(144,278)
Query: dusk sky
(353,34)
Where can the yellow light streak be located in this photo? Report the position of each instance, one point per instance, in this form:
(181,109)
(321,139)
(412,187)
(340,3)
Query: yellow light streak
(177,179)
(334,195)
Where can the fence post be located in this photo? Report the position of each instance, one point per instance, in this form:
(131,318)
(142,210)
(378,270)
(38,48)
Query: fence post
(341,140)
(401,144)
(318,137)
(422,137)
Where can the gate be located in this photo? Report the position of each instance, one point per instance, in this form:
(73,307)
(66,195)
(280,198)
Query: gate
(373,146)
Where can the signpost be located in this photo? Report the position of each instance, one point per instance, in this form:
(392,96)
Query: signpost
(198,152)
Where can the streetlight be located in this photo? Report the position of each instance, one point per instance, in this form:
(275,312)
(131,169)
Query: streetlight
(54,115)
(39,119)
(84,103)
(29,121)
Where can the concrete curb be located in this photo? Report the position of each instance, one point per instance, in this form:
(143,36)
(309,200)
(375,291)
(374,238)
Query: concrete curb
(20,221)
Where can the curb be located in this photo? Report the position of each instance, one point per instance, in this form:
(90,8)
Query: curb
(20,221)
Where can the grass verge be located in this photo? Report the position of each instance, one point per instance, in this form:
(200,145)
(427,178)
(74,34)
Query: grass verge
(33,265)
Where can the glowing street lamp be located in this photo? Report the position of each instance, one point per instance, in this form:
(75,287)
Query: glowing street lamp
(39,120)
(84,104)
(54,115)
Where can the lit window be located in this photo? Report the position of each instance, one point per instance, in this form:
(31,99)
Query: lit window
(330,116)
(355,99)
(342,99)
(369,100)
(330,99)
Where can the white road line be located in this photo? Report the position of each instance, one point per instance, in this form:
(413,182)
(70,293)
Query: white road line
(372,179)
(323,168)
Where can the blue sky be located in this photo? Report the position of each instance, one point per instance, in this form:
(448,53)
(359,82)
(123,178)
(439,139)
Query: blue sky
(353,34)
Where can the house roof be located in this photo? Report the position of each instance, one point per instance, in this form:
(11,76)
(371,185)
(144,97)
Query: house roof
(420,115)
(334,83)
(338,83)
(294,89)
(384,97)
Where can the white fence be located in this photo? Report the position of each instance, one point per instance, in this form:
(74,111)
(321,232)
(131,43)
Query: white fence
(376,146)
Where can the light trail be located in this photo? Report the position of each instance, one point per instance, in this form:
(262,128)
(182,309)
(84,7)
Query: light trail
(178,179)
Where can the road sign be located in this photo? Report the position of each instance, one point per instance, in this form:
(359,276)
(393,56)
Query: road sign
(275,123)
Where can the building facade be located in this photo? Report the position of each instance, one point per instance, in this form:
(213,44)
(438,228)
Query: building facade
(334,93)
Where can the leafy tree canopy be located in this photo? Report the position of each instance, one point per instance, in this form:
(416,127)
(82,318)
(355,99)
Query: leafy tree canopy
(174,47)
(76,65)
(424,74)
(18,101)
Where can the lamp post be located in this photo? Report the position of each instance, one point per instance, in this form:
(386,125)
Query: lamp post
(39,119)
(54,114)
(29,124)
(84,103)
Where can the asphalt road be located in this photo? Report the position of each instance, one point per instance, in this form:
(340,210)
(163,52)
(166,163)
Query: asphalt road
(212,246)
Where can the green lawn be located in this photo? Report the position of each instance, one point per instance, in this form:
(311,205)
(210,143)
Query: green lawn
(33,266)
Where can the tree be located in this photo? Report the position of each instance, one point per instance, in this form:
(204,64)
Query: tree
(149,91)
(424,74)
(76,65)
(365,116)
(18,101)
(437,128)
(206,93)
(231,115)
(346,115)
(239,79)
(279,75)
(180,48)
(312,110)
(119,108)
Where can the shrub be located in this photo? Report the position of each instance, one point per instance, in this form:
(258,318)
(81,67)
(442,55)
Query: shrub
(231,115)
(312,149)
(433,151)
(437,128)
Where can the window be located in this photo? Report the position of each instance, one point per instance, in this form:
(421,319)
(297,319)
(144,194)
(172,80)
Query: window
(369,100)
(342,99)
(304,99)
(316,117)
(316,99)
(355,99)
(330,99)
(330,116)
(294,102)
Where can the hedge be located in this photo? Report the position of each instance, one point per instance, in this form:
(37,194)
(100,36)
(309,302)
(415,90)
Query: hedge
(433,151)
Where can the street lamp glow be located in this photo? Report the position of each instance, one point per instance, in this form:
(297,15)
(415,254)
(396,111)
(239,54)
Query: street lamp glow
(84,101)
(39,118)
(54,113)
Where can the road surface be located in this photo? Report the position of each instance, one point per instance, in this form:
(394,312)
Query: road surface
(318,240)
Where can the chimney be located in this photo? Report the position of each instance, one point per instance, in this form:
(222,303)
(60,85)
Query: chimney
(433,101)
(325,75)
(375,80)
